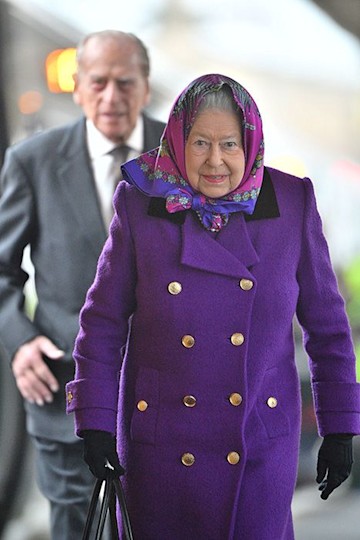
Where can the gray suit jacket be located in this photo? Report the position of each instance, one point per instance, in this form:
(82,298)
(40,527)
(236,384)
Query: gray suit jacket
(48,200)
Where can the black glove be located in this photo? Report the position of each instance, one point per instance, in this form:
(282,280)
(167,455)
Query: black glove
(100,454)
(334,463)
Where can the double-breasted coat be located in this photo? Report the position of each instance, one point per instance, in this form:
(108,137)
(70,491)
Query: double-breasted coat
(206,402)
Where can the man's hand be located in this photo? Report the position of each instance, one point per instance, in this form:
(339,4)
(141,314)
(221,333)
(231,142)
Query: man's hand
(34,379)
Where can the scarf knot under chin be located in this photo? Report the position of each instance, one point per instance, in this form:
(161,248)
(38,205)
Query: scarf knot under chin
(213,213)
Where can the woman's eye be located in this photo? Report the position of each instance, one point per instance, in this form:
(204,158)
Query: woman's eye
(230,144)
(199,142)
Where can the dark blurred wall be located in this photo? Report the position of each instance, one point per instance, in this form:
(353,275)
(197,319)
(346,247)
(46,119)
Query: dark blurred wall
(344,12)
(13,439)
(3,118)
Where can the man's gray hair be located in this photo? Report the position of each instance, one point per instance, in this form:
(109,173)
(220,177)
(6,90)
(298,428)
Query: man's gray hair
(119,36)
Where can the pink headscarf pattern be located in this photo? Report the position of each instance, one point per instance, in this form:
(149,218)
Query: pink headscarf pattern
(162,173)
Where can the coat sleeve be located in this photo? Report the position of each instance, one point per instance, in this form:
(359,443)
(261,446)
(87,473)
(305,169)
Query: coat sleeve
(327,334)
(104,327)
(18,228)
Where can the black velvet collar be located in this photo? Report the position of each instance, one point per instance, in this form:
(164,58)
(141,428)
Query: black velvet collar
(266,206)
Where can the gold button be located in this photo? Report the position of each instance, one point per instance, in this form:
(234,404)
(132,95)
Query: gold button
(142,405)
(237,339)
(188,459)
(272,402)
(188,341)
(233,458)
(70,397)
(246,284)
(189,401)
(235,399)
(174,287)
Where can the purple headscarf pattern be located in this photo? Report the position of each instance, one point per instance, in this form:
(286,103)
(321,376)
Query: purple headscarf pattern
(162,173)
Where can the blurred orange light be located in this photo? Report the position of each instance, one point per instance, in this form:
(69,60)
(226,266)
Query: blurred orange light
(60,67)
(30,102)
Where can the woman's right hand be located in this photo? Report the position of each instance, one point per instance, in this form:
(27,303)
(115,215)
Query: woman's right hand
(100,454)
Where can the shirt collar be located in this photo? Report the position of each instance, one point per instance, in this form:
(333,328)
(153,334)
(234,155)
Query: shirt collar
(136,140)
(98,144)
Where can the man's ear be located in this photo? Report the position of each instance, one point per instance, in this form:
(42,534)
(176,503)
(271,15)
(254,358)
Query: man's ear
(148,94)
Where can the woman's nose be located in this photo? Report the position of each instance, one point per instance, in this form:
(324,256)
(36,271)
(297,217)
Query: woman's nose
(215,156)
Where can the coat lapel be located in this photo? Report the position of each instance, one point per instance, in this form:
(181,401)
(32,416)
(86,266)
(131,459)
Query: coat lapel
(76,179)
(231,253)
(266,206)
(153,130)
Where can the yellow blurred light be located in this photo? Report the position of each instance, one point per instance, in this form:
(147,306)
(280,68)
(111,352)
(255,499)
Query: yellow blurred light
(289,164)
(30,102)
(51,71)
(60,67)
(66,69)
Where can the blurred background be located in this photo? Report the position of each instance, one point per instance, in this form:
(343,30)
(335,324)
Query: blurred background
(300,60)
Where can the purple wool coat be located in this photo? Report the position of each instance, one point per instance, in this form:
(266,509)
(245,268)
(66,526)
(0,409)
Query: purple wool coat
(206,401)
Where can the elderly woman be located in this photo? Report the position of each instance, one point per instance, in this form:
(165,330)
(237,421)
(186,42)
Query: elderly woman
(185,354)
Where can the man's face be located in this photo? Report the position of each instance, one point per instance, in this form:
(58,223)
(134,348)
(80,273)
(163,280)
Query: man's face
(111,87)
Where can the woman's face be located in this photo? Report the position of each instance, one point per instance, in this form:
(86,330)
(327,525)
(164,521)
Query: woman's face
(214,155)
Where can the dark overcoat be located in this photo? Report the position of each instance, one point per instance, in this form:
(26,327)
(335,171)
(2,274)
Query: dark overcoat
(208,409)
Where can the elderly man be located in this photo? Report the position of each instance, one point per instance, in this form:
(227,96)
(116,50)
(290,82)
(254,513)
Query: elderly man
(56,192)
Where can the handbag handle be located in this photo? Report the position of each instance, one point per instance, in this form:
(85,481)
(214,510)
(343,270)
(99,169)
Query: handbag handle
(123,509)
(111,484)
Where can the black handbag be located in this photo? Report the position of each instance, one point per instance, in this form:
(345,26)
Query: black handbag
(113,490)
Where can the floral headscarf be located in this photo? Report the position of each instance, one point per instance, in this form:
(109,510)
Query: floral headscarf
(162,173)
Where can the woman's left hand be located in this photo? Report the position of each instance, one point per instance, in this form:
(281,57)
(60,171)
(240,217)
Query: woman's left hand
(334,463)
(100,454)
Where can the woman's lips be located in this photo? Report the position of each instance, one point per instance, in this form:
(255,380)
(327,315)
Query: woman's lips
(215,179)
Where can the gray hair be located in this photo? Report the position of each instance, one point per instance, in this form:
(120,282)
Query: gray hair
(219,99)
(120,37)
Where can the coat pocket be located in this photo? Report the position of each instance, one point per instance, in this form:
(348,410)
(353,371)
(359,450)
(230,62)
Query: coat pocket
(146,406)
(271,404)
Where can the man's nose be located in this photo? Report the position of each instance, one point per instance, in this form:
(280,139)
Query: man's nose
(111,92)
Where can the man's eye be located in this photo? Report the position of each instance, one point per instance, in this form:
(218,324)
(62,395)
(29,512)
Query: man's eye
(125,84)
(98,84)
